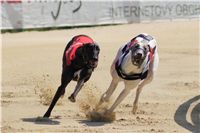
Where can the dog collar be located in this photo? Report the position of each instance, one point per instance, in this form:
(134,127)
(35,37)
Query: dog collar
(125,76)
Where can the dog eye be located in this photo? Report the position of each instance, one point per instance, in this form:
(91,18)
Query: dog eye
(136,45)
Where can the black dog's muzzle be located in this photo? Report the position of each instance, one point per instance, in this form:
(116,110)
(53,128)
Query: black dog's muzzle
(93,63)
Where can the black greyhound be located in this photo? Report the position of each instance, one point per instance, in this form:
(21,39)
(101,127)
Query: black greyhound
(80,58)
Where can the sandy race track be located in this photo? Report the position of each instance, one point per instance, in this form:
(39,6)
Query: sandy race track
(31,68)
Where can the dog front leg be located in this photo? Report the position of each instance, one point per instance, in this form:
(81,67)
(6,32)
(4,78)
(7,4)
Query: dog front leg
(138,91)
(85,75)
(119,99)
(78,87)
(106,96)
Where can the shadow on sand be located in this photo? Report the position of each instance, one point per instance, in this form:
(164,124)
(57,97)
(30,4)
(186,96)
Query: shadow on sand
(181,112)
(93,123)
(41,120)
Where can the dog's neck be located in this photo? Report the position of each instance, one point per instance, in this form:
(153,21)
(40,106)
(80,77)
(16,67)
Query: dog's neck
(128,67)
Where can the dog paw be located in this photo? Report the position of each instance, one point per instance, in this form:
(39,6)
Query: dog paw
(134,110)
(46,115)
(72,99)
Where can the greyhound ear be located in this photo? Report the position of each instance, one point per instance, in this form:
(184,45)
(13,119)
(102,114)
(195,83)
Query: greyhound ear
(97,46)
(85,50)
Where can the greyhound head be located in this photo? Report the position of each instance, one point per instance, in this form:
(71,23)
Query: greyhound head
(138,54)
(91,54)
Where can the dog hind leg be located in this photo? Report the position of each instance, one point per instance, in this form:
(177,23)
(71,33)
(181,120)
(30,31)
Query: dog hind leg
(65,79)
(62,93)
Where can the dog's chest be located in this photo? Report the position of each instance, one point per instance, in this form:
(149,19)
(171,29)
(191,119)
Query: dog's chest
(131,84)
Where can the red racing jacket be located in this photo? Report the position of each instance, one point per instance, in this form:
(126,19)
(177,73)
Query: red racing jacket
(78,41)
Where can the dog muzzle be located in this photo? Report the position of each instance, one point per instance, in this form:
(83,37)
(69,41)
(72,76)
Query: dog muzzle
(92,63)
(138,57)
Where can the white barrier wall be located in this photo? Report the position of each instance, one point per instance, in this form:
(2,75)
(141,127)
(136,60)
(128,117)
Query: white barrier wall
(18,14)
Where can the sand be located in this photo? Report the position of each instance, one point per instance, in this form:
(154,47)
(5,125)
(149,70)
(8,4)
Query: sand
(31,69)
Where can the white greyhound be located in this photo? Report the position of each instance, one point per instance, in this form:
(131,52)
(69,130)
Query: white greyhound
(135,65)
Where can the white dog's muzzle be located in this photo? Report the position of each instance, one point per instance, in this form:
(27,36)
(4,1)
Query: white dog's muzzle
(138,56)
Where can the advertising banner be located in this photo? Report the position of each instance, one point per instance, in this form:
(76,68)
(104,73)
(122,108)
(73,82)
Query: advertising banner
(18,14)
